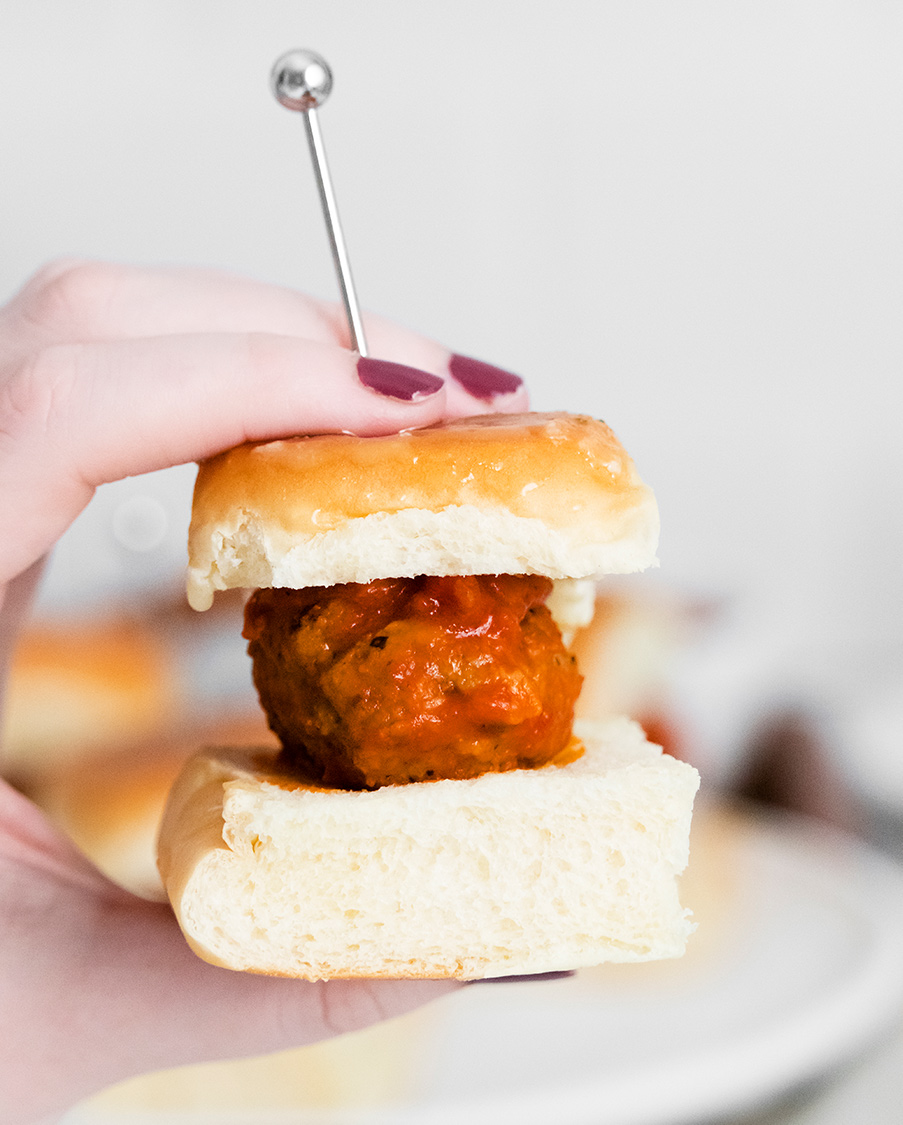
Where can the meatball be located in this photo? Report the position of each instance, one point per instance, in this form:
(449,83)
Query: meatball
(417,679)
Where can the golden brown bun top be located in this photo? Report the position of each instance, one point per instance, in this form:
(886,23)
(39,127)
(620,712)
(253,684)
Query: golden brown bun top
(432,491)
(529,463)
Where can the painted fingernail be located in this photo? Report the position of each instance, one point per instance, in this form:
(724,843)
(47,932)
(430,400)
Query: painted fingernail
(396,380)
(560,975)
(482,380)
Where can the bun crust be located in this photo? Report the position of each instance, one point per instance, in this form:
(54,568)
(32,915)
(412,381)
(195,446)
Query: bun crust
(521,872)
(552,494)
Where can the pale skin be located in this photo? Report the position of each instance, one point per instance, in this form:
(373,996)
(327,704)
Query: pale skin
(108,372)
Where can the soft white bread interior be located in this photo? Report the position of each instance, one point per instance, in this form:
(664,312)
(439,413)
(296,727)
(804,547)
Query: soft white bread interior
(552,494)
(520,872)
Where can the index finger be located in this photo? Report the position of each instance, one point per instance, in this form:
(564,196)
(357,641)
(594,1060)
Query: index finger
(83,302)
(84,414)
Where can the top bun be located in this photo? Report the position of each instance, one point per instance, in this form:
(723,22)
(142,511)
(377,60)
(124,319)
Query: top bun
(551,494)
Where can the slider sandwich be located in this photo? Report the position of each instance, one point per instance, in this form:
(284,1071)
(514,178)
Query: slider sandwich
(433,810)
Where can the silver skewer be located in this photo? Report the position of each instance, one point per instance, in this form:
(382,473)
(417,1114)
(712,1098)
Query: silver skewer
(301,81)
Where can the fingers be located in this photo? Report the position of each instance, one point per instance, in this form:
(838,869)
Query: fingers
(112,371)
(99,986)
(205,1013)
(473,387)
(80,415)
(72,301)
(16,599)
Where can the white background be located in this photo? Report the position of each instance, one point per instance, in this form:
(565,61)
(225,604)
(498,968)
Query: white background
(684,218)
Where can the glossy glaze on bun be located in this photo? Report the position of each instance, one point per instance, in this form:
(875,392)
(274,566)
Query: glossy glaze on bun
(552,494)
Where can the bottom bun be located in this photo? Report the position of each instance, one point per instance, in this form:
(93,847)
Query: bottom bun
(521,872)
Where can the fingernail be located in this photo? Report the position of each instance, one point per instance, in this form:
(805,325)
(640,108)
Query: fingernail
(482,380)
(396,380)
(560,975)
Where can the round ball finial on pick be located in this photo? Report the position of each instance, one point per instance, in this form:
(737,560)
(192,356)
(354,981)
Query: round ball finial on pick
(301,80)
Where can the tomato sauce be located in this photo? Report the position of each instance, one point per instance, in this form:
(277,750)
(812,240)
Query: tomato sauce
(403,680)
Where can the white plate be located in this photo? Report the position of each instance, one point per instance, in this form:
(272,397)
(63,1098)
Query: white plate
(806,971)
(809,971)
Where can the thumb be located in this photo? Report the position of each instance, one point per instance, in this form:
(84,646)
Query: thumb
(99,986)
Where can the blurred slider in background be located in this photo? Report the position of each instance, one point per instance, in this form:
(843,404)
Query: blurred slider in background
(102,712)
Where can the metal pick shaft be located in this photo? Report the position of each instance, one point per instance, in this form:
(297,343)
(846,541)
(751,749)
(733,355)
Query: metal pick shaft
(334,229)
(301,81)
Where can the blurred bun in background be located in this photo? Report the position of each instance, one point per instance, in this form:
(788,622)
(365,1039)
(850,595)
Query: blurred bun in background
(102,710)
(627,654)
(77,686)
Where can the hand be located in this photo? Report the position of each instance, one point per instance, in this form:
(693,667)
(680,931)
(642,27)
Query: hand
(107,372)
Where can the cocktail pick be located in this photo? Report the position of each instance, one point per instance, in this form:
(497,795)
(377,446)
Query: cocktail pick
(301,80)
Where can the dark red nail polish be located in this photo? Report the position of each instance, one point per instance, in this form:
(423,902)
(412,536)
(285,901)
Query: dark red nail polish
(396,380)
(482,380)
